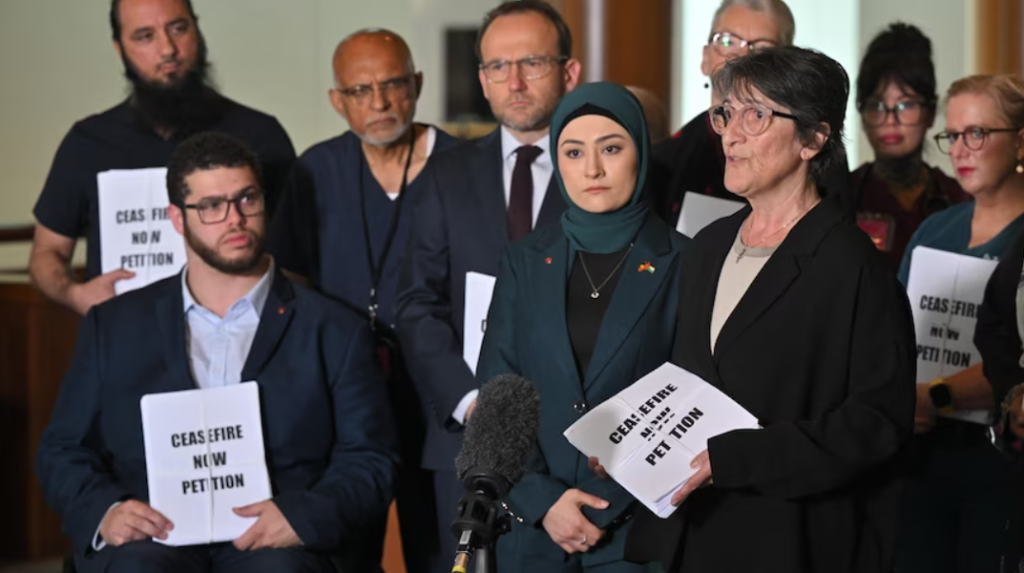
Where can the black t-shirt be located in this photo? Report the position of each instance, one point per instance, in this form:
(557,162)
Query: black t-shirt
(584,314)
(114,139)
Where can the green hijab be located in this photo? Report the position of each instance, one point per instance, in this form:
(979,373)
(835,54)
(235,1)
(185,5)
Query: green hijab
(603,232)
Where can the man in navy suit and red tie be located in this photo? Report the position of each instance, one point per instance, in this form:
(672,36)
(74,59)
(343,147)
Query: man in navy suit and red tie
(229,317)
(486,194)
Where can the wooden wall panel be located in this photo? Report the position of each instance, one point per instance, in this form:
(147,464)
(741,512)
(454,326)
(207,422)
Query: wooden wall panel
(999,37)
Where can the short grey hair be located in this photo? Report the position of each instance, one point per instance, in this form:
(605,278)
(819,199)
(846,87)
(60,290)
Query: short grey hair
(775,8)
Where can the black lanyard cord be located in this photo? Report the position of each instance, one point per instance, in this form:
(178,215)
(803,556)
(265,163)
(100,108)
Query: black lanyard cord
(377,267)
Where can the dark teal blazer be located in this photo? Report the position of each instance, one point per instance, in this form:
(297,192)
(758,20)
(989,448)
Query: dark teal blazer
(527,335)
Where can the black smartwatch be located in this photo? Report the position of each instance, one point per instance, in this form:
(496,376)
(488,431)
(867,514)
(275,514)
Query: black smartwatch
(941,396)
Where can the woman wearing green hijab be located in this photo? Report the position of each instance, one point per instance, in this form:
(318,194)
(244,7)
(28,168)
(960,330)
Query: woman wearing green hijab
(583,309)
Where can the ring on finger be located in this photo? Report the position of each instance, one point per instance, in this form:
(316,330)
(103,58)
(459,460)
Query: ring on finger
(583,541)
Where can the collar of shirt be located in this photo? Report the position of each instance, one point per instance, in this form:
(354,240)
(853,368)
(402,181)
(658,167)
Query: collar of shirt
(509,145)
(253,301)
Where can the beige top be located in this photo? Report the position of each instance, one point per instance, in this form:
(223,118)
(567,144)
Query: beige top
(741,267)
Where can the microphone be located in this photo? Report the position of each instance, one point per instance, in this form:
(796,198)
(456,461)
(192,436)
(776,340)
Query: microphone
(500,436)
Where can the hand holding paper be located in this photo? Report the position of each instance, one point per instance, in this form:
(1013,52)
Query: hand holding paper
(701,463)
(271,529)
(133,521)
(646,436)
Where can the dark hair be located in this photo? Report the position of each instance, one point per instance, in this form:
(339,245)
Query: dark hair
(813,86)
(201,152)
(115,17)
(510,7)
(902,54)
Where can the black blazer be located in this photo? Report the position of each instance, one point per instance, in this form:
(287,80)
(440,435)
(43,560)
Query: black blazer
(328,433)
(821,349)
(460,225)
(996,335)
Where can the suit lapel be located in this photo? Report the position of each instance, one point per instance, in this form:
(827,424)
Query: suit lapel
(486,170)
(170,319)
(552,207)
(277,313)
(637,286)
(550,299)
(781,270)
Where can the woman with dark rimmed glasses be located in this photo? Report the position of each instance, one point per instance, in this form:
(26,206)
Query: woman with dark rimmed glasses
(955,510)
(896,98)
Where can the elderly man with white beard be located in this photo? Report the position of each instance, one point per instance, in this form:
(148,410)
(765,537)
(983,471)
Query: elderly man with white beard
(344,223)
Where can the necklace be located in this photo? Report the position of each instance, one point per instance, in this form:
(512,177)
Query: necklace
(597,289)
(788,224)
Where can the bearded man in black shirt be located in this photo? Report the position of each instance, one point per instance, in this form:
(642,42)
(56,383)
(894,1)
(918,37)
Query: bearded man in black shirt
(165,61)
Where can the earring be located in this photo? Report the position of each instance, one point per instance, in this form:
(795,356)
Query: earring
(1020,168)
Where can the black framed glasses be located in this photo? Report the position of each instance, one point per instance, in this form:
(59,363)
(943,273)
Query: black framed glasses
(753,120)
(973,137)
(530,68)
(215,209)
(394,89)
(726,43)
(909,112)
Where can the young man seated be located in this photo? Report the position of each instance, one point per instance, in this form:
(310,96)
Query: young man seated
(228,318)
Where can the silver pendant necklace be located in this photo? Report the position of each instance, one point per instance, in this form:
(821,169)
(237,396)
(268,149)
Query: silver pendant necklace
(596,290)
(744,247)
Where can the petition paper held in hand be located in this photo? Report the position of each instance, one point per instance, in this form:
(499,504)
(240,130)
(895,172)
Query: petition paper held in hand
(136,233)
(647,435)
(205,457)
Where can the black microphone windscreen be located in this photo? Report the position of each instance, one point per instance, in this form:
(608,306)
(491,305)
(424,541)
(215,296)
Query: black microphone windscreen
(502,432)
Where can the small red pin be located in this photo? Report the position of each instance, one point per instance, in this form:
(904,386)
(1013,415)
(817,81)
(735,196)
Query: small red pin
(280,310)
(547,261)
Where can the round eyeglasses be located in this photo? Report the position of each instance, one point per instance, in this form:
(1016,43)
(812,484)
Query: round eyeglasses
(973,137)
(753,120)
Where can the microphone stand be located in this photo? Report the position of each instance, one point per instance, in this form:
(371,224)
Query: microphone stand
(479,522)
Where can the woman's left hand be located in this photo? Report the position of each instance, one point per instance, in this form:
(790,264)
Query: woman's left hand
(700,479)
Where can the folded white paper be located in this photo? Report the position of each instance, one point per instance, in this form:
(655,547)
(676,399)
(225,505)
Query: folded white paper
(945,291)
(479,290)
(136,233)
(204,457)
(701,210)
(647,435)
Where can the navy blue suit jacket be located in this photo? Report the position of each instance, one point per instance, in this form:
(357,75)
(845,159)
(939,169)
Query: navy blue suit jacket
(527,335)
(460,225)
(327,430)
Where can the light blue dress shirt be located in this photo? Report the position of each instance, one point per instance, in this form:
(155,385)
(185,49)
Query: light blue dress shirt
(218,347)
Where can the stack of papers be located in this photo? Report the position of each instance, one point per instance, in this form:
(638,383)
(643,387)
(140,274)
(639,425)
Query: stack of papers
(647,435)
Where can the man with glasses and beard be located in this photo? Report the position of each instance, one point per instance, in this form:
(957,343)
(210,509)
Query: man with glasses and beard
(343,224)
(484,195)
(164,56)
(230,317)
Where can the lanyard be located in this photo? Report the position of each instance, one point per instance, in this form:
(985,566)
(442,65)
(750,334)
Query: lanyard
(377,267)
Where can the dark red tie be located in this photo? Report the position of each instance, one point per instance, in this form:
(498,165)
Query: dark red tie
(520,201)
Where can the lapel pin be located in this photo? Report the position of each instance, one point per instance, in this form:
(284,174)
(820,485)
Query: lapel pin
(547,261)
(647,266)
(280,310)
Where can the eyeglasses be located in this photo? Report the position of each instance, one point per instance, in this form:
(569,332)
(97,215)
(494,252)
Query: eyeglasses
(905,112)
(215,209)
(530,68)
(725,44)
(393,89)
(974,137)
(753,120)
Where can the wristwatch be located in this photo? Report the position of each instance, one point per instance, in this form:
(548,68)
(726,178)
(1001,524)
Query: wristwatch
(940,395)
